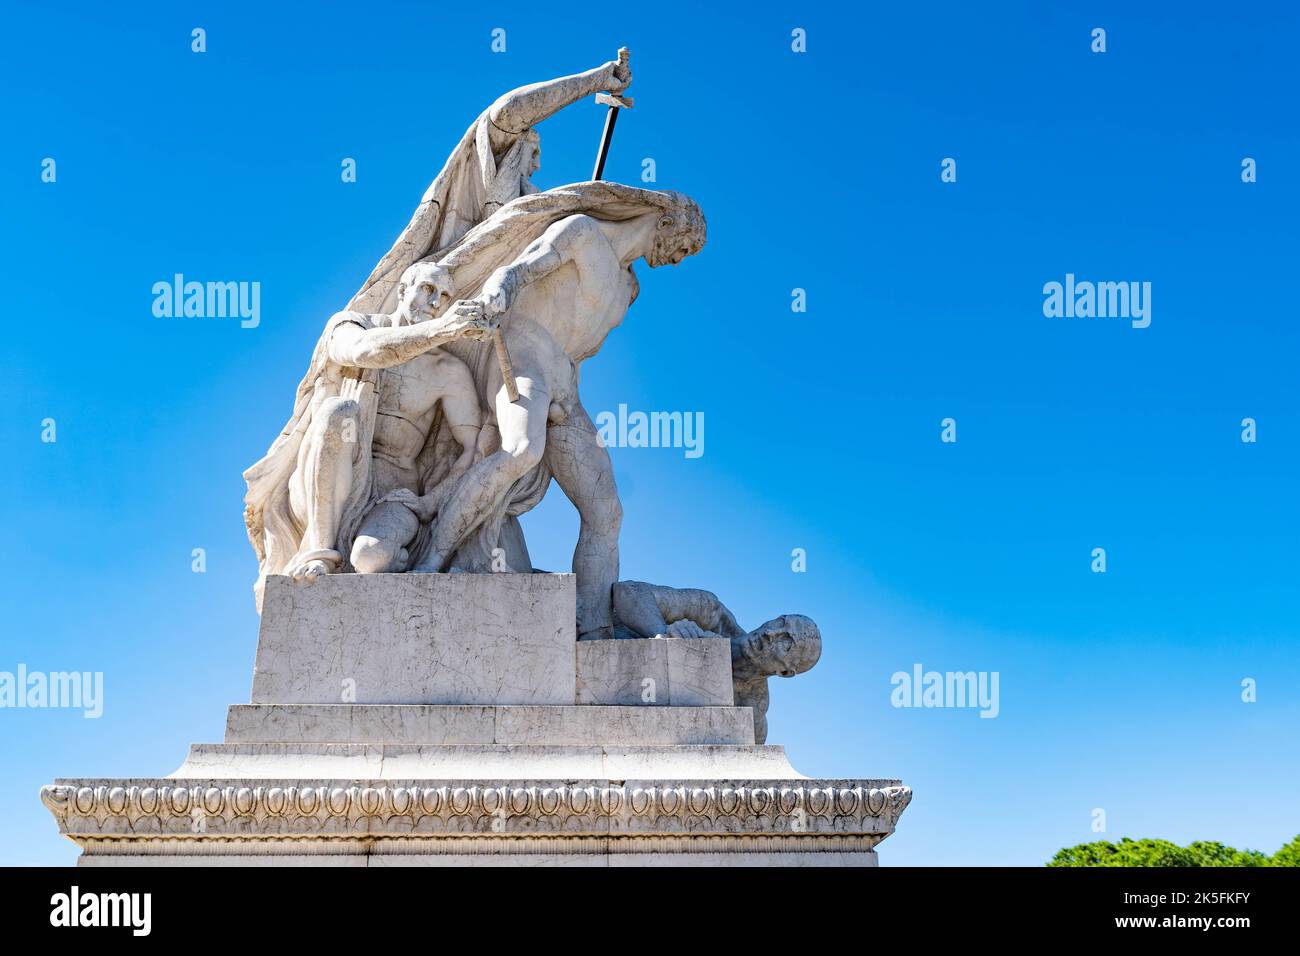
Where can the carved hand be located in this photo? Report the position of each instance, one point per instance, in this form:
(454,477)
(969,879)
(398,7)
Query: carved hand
(688,629)
(496,295)
(467,320)
(620,73)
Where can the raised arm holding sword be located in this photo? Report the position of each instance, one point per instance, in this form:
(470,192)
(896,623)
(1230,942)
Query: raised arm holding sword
(471,309)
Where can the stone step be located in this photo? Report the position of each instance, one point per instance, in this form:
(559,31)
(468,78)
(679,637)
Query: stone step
(487,761)
(469,725)
(677,672)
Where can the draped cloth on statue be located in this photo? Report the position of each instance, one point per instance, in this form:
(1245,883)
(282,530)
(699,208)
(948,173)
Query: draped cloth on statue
(471,186)
(276,534)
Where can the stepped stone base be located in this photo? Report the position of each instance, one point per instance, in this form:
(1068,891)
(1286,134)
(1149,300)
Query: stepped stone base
(433,769)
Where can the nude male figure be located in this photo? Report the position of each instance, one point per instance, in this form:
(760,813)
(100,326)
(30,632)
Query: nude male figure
(556,304)
(416,380)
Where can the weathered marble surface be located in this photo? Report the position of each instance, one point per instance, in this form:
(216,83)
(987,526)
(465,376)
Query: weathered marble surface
(417,639)
(669,672)
(451,725)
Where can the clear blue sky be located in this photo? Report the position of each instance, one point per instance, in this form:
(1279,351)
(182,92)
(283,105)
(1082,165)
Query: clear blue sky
(821,171)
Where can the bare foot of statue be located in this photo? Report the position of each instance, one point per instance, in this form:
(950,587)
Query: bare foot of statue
(306,567)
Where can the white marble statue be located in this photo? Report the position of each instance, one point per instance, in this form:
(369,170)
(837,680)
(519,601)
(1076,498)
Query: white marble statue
(295,526)
(406,451)
(523,727)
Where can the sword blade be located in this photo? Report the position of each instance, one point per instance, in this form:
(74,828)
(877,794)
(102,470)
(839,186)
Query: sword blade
(605,138)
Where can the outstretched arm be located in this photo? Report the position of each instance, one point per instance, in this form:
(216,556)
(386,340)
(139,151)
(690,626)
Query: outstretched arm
(692,612)
(635,608)
(654,611)
(696,613)
(352,344)
(548,252)
(527,106)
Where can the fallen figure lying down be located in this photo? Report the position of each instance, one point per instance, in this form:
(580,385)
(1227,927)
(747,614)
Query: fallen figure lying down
(784,646)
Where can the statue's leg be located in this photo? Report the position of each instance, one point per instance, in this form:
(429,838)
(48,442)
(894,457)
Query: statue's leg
(320,485)
(385,534)
(522,426)
(382,540)
(582,468)
(463,417)
(753,694)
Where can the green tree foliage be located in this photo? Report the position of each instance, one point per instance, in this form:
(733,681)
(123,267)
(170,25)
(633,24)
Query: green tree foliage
(1289,855)
(1163,853)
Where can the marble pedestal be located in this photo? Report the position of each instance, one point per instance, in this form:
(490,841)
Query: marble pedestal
(468,727)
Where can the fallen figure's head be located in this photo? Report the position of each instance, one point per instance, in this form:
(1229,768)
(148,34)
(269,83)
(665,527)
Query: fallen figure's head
(784,646)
